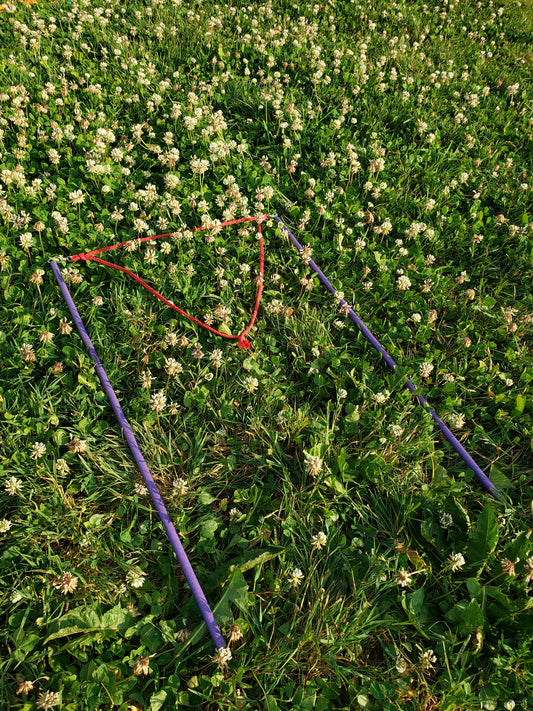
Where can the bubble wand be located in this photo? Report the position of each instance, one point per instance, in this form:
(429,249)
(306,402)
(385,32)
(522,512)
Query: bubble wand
(452,439)
(172,535)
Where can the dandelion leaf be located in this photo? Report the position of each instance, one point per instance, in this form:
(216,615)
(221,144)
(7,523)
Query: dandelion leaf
(484,539)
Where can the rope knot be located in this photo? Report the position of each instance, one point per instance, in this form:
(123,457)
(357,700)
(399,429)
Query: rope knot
(243,342)
(78,257)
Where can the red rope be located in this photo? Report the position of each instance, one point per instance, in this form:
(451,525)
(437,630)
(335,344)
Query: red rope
(242,341)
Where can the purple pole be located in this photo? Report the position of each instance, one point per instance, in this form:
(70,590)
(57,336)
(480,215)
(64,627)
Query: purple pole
(452,439)
(173,537)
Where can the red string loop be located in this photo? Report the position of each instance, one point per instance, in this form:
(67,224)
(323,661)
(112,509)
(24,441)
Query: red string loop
(242,341)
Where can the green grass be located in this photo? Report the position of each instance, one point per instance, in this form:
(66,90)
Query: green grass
(394,141)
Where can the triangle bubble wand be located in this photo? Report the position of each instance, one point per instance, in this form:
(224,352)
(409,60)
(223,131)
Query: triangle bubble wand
(242,342)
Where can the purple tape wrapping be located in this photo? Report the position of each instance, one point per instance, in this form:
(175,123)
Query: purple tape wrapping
(452,439)
(173,537)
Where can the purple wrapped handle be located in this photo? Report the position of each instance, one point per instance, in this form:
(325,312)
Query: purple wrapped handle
(173,537)
(452,439)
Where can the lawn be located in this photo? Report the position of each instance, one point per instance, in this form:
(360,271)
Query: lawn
(351,557)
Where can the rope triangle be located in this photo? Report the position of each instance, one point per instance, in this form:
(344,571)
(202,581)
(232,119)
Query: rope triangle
(242,341)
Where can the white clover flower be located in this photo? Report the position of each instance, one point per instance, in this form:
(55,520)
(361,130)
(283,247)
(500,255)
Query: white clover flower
(150,255)
(222,657)
(386,227)
(251,384)
(295,577)
(16,596)
(26,240)
(425,369)
(508,566)
(76,197)
(235,514)
(54,156)
(376,165)
(78,446)
(306,253)
(27,352)
(403,283)
(401,665)
(216,358)
(13,486)
(172,339)
(446,520)
(173,367)
(158,401)
(38,450)
(135,578)
(319,540)
(235,634)
(199,166)
(380,398)
(142,666)
(183,634)
(457,420)
(46,336)
(403,578)
(313,464)
(171,182)
(66,583)
(396,430)
(427,659)
(5,525)
(180,486)
(47,700)
(62,466)
(456,561)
